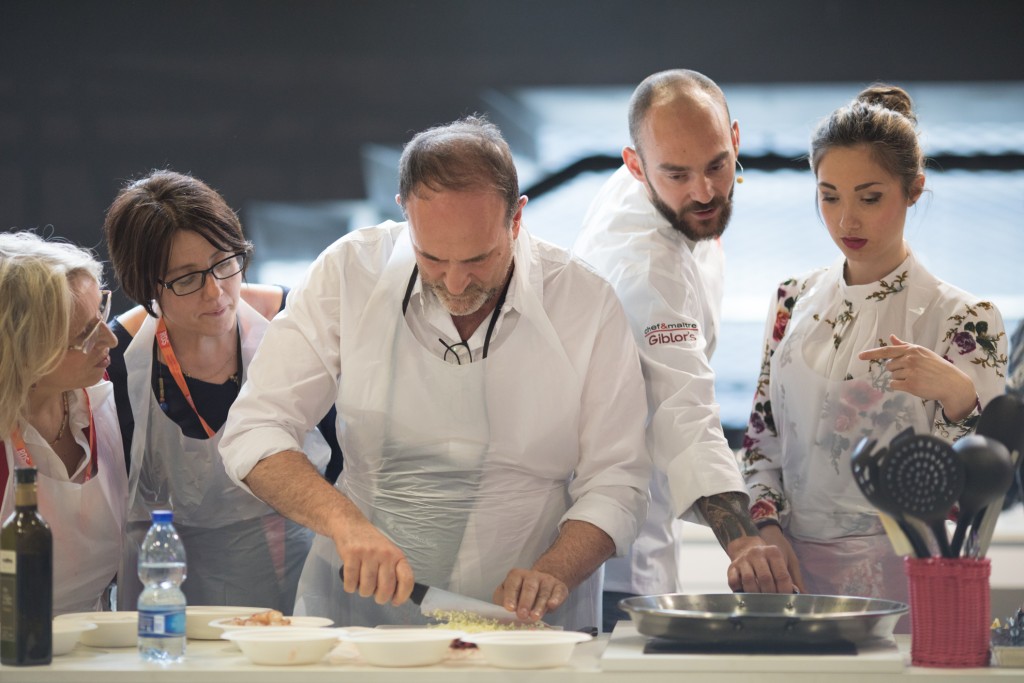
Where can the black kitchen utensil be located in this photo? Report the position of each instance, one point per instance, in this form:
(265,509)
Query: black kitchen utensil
(866,463)
(923,478)
(1002,419)
(988,475)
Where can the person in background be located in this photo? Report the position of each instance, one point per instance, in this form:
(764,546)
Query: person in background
(869,346)
(653,232)
(489,395)
(178,250)
(57,413)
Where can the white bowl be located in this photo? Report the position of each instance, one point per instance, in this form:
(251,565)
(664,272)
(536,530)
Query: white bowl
(66,633)
(198,618)
(283,645)
(113,629)
(403,646)
(527,649)
(223,625)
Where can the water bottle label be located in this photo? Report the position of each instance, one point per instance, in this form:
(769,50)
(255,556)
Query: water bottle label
(161,624)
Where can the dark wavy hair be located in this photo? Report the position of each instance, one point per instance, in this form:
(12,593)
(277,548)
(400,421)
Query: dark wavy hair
(142,222)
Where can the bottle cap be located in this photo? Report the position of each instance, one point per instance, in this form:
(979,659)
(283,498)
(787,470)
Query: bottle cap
(25,475)
(161,516)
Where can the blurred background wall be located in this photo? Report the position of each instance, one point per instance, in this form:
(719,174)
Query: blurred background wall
(272,100)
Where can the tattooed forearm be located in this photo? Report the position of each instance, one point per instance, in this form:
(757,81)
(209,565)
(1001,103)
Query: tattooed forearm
(727,515)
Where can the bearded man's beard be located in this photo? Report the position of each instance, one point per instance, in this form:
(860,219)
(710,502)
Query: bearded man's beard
(693,228)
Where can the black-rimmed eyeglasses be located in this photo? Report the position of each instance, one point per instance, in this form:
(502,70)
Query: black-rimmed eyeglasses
(196,280)
(88,343)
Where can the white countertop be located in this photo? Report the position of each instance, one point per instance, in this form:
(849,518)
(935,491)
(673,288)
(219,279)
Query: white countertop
(218,662)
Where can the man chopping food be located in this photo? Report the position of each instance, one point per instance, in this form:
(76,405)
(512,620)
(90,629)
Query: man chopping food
(490,404)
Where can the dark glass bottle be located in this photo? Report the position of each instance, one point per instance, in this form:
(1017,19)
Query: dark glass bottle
(26,579)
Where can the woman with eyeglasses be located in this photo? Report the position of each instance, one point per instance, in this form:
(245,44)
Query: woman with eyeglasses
(56,412)
(178,250)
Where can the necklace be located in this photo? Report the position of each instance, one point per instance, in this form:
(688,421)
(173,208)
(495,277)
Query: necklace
(233,377)
(63,419)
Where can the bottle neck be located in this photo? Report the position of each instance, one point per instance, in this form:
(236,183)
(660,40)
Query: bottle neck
(25,496)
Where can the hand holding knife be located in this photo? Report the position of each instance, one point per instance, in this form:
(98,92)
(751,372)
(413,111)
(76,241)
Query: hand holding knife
(432,600)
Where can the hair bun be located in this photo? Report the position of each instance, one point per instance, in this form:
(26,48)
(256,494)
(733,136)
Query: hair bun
(889,97)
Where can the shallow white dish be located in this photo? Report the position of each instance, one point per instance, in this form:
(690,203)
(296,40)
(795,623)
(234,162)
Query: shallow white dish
(224,624)
(527,649)
(403,646)
(113,629)
(283,645)
(66,633)
(198,618)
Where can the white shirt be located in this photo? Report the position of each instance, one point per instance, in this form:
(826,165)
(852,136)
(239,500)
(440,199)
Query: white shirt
(671,289)
(46,459)
(295,375)
(832,323)
(86,516)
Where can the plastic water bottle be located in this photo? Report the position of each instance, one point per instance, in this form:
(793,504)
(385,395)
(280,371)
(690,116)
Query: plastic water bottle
(162,604)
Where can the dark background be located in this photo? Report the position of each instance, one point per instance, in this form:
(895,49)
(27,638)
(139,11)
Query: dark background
(273,100)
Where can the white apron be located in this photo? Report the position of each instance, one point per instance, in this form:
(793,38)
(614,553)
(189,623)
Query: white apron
(87,519)
(465,467)
(239,551)
(835,532)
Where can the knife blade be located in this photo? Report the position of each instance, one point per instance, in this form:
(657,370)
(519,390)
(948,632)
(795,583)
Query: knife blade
(431,599)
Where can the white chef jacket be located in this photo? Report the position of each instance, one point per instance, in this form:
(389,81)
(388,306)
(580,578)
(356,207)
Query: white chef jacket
(671,288)
(299,370)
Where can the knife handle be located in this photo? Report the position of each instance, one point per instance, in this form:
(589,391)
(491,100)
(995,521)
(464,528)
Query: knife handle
(418,589)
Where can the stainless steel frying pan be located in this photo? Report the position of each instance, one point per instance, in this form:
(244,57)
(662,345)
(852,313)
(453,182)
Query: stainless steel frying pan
(763,617)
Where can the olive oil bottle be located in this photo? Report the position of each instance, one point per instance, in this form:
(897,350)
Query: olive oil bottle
(26,579)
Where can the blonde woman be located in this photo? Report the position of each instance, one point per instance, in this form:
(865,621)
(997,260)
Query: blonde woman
(57,413)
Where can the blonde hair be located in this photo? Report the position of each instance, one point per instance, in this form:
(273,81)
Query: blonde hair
(36,277)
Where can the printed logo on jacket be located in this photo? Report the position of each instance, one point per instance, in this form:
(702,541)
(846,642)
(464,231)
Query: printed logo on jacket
(672,333)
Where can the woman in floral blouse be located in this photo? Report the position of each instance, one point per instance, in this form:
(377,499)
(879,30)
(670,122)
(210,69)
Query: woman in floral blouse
(869,346)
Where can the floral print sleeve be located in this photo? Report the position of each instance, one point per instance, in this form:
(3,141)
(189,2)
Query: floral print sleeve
(975,342)
(762,468)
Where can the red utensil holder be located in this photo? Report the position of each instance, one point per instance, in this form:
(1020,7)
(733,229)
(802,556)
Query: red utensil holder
(949,611)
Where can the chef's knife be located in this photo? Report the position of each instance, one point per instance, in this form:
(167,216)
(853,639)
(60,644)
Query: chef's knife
(431,600)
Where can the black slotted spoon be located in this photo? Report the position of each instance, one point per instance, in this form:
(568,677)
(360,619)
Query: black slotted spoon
(866,463)
(922,477)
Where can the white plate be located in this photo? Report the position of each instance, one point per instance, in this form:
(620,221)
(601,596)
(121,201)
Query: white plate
(224,625)
(527,649)
(283,645)
(403,646)
(113,629)
(198,618)
(66,633)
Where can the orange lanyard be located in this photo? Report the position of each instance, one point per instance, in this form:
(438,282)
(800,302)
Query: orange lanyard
(24,459)
(164,342)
